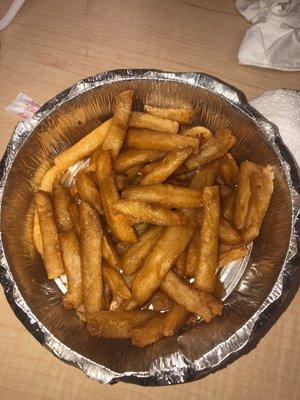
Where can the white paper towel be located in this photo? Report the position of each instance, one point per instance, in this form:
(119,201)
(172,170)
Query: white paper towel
(282,107)
(274,39)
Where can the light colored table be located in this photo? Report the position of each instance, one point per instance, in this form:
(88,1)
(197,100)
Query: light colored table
(53,43)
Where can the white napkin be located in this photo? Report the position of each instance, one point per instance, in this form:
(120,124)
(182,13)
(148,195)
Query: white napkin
(274,39)
(283,108)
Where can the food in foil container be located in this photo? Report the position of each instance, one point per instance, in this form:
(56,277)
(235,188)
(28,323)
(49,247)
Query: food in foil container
(172,195)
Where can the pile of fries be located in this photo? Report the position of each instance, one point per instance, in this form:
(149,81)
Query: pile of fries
(143,233)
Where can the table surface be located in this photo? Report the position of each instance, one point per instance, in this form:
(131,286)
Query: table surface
(52,44)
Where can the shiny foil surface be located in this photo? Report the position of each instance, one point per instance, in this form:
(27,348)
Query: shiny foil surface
(256,289)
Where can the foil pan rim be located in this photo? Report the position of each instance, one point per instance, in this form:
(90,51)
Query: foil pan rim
(175,367)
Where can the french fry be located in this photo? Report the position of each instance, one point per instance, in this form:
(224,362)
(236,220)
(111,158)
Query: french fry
(70,250)
(51,250)
(110,254)
(192,252)
(132,157)
(227,233)
(121,181)
(91,259)
(49,178)
(36,232)
(116,282)
(134,255)
(132,173)
(147,332)
(160,260)
(166,195)
(262,187)
(243,193)
(145,169)
(232,255)
(159,301)
(148,121)
(145,139)
(208,240)
(228,206)
(200,303)
(212,149)
(175,319)
(117,132)
(74,212)
(62,200)
(117,324)
(204,177)
(88,191)
(109,195)
(181,115)
(167,166)
(199,132)
(229,170)
(147,212)
(179,265)
(84,148)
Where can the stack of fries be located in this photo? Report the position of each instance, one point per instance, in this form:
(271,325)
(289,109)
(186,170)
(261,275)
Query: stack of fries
(147,226)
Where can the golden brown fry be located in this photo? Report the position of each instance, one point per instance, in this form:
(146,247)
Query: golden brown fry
(133,257)
(116,282)
(192,252)
(229,170)
(74,212)
(262,187)
(70,250)
(232,255)
(109,195)
(88,191)
(148,332)
(110,253)
(179,265)
(49,178)
(204,177)
(117,132)
(116,324)
(51,250)
(166,195)
(208,240)
(160,260)
(91,259)
(203,304)
(144,170)
(148,121)
(121,181)
(214,148)
(159,301)
(167,166)
(243,193)
(132,173)
(132,157)
(62,200)
(228,206)
(161,141)
(145,212)
(84,148)
(227,233)
(199,132)
(37,236)
(175,319)
(181,115)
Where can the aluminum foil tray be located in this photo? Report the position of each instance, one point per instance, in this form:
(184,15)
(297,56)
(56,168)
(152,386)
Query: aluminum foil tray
(256,288)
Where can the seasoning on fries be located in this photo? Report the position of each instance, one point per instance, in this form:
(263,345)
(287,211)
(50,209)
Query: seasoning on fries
(181,115)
